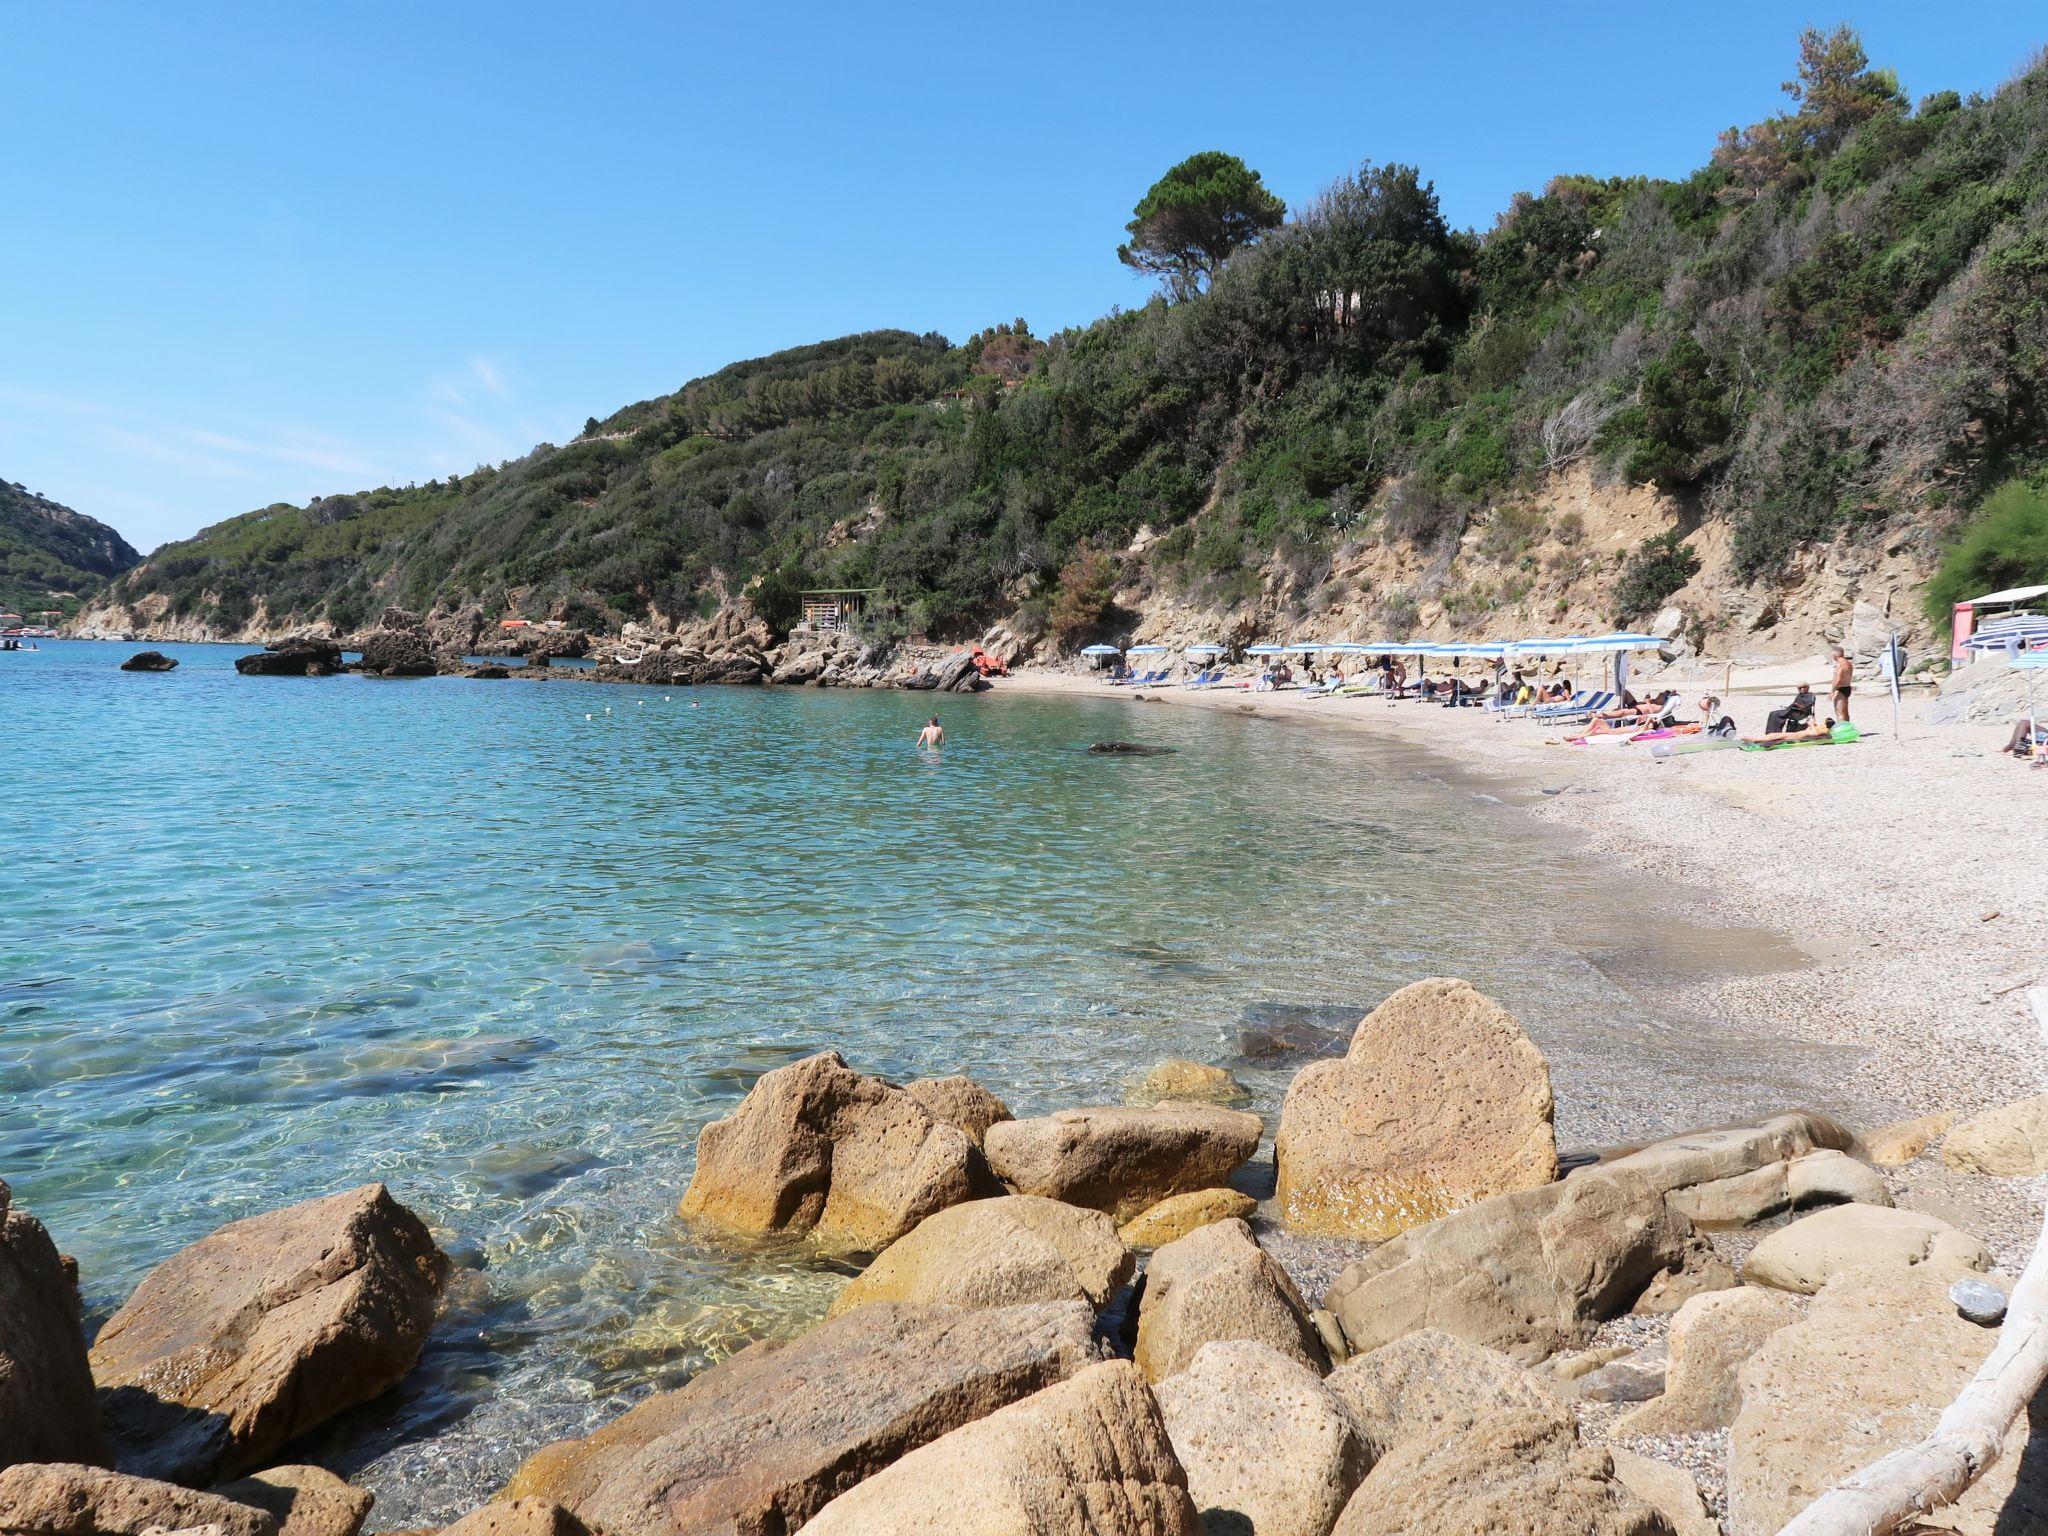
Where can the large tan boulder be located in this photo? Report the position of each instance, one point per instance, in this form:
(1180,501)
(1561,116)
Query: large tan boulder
(235,1346)
(1669,1490)
(764,1440)
(65,1499)
(1268,1451)
(47,1408)
(2010,1140)
(818,1149)
(1711,1337)
(304,1501)
(1089,1457)
(1814,1249)
(1819,1177)
(1218,1283)
(1120,1159)
(1527,1273)
(1416,1385)
(1895,1145)
(517,1517)
(1509,1472)
(1879,1356)
(991,1253)
(960,1101)
(1178,1215)
(1190,1081)
(1442,1100)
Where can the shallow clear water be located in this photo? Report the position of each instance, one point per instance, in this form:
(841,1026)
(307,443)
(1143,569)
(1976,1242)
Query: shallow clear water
(508,945)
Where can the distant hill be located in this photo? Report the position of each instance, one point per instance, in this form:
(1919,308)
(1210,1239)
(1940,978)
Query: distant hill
(51,556)
(1767,395)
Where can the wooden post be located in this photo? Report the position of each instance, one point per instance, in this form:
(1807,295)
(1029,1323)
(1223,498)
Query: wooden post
(1917,1479)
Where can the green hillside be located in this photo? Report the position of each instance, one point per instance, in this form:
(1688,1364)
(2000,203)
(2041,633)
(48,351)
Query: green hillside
(1835,330)
(51,556)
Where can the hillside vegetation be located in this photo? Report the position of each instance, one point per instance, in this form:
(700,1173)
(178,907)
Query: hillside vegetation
(51,556)
(1831,336)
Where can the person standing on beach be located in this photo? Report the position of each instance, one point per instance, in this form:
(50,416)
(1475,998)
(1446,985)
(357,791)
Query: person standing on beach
(933,735)
(1845,676)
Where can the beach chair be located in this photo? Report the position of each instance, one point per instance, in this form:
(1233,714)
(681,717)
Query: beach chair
(1582,706)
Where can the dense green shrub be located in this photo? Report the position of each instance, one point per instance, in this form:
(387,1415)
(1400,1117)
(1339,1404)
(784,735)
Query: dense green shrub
(2005,545)
(1656,568)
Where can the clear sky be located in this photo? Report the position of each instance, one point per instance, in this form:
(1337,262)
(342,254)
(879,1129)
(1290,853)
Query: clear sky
(256,252)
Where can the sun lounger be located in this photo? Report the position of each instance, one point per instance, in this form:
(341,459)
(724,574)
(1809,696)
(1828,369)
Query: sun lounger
(1582,706)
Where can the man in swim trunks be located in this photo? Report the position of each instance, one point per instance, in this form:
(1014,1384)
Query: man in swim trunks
(1845,675)
(933,734)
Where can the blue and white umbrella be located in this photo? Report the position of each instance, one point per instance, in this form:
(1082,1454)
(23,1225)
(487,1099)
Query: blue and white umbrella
(2010,635)
(1205,650)
(1265,650)
(1148,650)
(1307,648)
(1100,650)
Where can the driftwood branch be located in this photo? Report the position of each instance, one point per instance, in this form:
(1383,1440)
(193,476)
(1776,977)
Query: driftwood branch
(1918,1479)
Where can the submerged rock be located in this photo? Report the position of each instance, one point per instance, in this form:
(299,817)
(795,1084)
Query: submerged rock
(988,1253)
(1089,1457)
(1130,749)
(765,1439)
(1193,1081)
(47,1408)
(1217,1283)
(1122,1160)
(255,1334)
(1440,1101)
(819,1149)
(149,661)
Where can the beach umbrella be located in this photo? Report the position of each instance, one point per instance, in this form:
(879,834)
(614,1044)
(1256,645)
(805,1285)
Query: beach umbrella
(1205,650)
(1148,650)
(2031,662)
(2010,635)
(1265,650)
(1307,648)
(1100,650)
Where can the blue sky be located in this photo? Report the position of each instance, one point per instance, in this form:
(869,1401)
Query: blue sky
(254,253)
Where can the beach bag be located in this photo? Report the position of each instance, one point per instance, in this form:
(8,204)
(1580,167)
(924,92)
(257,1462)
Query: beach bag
(1722,728)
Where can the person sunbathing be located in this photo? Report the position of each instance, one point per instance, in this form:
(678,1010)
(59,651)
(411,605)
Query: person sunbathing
(1818,730)
(2026,738)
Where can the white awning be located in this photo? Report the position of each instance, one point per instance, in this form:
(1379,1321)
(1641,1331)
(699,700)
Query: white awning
(2015,595)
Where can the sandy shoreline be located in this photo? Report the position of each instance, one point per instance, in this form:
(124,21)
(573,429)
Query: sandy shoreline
(1883,861)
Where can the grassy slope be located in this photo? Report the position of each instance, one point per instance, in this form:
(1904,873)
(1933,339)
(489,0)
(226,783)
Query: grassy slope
(1854,354)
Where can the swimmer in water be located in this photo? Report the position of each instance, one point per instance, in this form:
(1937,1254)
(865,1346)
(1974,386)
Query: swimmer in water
(933,734)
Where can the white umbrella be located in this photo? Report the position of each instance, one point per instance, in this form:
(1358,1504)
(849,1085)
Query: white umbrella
(1100,650)
(1148,650)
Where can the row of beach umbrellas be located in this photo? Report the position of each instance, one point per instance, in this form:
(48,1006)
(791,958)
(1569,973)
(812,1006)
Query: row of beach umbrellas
(1563,645)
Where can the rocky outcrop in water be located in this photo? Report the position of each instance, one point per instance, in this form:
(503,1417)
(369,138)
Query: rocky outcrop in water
(401,647)
(47,1409)
(304,1501)
(820,1150)
(255,1334)
(1119,1159)
(1441,1100)
(764,1440)
(297,656)
(149,661)
(960,1101)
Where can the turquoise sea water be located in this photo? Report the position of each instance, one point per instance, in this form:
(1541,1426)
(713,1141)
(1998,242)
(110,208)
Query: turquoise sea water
(507,946)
